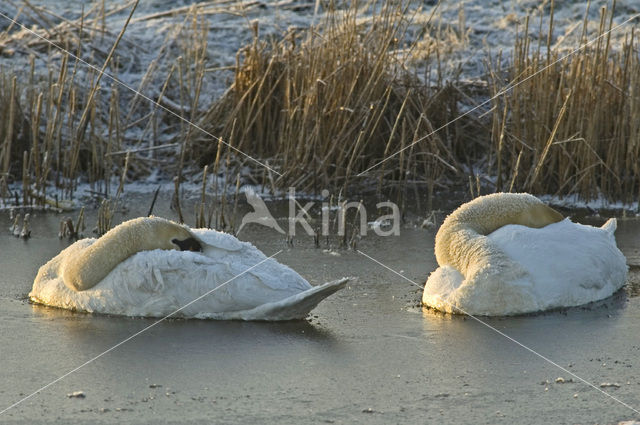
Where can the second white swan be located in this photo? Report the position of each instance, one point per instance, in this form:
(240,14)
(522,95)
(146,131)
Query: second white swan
(509,253)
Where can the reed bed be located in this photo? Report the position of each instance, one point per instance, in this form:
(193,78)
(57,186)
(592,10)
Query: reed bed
(62,137)
(323,104)
(67,125)
(571,125)
(319,105)
(14,128)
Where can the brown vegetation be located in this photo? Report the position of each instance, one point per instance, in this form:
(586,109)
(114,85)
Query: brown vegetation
(321,105)
(325,103)
(571,123)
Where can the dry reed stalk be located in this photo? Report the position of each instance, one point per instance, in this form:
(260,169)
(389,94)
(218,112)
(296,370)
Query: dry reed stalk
(8,130)
(80,226)
(105,217)
(200,214)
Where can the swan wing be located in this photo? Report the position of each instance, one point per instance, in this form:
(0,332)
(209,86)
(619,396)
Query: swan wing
(225,249)
(214,240)
(571,263)
(155,283)
(294,307)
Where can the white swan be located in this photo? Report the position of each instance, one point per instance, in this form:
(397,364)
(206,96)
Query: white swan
(152,267)
(508,253)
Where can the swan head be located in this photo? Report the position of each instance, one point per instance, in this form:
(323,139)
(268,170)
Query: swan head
(188,244)
(537,215)
(160,233)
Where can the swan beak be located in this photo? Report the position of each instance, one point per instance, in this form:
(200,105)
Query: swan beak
(189,244)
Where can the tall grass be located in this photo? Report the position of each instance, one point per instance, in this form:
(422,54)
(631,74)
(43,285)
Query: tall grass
(63,125)
(319,105)
(64,114)
(572,124)
(324,103)
(14,128)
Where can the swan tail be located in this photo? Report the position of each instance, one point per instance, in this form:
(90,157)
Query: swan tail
(294,307)
(610,226)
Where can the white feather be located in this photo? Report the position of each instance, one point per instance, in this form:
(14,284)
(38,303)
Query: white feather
(158,282)
(561,265)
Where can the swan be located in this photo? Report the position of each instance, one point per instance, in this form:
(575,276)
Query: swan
(152,267)
(509,253)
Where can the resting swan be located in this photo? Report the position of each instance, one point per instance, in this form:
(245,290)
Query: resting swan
(509,253)
(152,267)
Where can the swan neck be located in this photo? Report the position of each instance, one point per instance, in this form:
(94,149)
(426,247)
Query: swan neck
(461,241)
(94,263)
